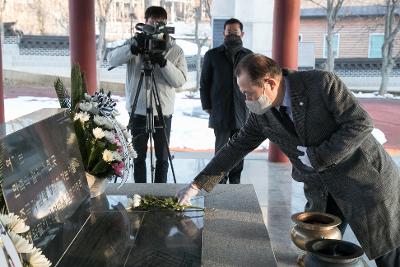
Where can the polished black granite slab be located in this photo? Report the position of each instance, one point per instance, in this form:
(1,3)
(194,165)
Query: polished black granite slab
(42,177)
(114,236)
(234,233)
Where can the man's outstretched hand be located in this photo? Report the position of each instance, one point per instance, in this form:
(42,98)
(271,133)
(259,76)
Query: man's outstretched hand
(186,193)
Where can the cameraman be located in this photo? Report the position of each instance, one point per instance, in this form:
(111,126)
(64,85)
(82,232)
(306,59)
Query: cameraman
(170,71)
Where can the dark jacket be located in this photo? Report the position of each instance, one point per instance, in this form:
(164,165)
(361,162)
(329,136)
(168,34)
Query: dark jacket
(219,91)
(347,160)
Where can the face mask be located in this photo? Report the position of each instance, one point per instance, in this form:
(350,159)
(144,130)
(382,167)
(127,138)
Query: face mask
(259,106)
(233,41)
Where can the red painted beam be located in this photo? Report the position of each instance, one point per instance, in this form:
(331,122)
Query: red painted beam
(284,49)
(82,39)
(2,117)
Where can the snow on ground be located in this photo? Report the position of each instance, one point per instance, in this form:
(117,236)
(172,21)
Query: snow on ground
(189,129)
(375,95)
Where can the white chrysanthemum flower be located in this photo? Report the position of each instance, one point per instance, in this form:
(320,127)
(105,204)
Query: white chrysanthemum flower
(127,135)
(130,204)
(85,106)
(21,244)
(108,156)
(84,117)
(108,125)
(98,133)
(110,137)
(77,116)
(137,199)
(14,223)
(117,156)
(87,97)
(99,120)
(37,259)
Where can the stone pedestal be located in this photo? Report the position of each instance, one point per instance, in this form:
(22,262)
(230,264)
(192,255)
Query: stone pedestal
(234,233)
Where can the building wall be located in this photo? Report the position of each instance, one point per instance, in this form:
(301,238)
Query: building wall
(353,33)
(256,16)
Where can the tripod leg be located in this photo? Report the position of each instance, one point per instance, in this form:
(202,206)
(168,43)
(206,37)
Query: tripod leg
(161,119)
(150,130)
(134,105)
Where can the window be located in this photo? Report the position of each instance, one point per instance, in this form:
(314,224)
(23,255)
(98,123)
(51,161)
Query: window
(335,45)
(300,37)
(375,45)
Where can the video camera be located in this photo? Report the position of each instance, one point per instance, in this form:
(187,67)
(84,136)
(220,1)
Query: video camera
(155,36)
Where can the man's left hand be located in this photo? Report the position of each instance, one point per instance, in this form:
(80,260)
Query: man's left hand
(158,58)
(304,157)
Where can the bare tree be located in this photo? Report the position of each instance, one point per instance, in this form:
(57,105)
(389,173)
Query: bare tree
(40,15)
(103,9)
(61,16)
(207,8)
(392,28)
(332,8)
(199,41)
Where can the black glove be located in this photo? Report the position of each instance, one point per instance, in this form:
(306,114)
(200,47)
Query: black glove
(138,46)
(159,59)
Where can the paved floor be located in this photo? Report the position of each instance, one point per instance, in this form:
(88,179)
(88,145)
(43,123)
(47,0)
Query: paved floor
(278,194)
(385,114)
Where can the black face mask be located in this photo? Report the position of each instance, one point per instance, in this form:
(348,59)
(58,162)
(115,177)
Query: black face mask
(233,42)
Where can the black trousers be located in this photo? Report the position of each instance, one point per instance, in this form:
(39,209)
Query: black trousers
(137,124)
(221,138)
(391,259)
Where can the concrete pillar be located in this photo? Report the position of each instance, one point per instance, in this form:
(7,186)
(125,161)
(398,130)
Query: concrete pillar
(2,117)
(284,48)
(257,22)
(82,39)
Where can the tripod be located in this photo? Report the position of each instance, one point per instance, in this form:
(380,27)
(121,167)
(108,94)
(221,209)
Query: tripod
(152,94)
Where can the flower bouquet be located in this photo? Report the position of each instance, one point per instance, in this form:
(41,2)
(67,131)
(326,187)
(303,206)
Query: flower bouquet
(103,142)
(13,228)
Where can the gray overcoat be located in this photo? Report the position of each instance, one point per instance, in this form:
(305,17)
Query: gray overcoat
(347,160)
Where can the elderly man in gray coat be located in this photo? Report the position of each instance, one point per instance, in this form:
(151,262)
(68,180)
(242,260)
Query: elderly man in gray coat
(170,71)
(326,134)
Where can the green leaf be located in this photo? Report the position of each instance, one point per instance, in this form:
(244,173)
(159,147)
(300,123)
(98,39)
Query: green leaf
(84,86)
(101,168)
(81,136)
(160,203)
(76,86)
(62,94)
(112,147)
(96,154)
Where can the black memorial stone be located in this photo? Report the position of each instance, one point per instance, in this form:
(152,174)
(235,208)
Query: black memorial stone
(116,237)
(42,176)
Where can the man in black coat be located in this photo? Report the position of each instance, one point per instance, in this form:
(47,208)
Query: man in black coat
(220,94)
(326,134)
